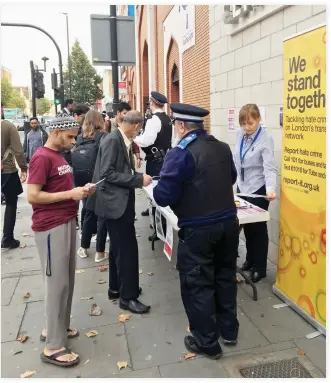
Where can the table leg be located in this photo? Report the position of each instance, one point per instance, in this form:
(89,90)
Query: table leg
(249,282)
(154,237)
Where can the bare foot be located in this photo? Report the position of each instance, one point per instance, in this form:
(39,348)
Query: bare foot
(71,332)
(63,358)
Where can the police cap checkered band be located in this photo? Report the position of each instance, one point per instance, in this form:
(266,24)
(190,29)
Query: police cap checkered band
(63,122)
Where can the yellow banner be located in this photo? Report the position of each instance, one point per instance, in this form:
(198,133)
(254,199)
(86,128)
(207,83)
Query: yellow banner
(302,240)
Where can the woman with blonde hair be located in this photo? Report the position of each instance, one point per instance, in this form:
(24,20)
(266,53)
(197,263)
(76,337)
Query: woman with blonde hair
(257,174)
(83,162)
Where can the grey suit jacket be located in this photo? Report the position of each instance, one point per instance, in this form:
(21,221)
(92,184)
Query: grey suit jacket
(113,163)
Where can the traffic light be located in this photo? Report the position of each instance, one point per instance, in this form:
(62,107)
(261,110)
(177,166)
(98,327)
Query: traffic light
(57,96)
(39,84)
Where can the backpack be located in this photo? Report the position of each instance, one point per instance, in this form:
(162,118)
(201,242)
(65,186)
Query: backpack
(83,158)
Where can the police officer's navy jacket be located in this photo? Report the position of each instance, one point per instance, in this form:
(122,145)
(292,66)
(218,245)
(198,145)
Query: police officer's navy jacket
(196,180)
(163,138)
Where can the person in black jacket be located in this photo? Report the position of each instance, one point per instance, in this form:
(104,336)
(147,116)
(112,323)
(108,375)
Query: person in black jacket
(196,181)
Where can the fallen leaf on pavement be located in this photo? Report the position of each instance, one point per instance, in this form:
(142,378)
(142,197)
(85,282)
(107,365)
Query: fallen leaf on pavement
(239,280)
(22,246)
(189,355)
(121,365)
(86,298)
(150,274)
(79,271)
(168,342)
(102,268)
(188,330)
(92,333)
(148,357)
(140,271)
(87,361)
(95,310)
(22,338)
(101,281)
(123,317)
(301,352)
(262,315)
(28,374)
(27,296)
(18,352)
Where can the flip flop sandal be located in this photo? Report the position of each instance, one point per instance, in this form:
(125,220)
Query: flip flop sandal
(52,359)
(43,338)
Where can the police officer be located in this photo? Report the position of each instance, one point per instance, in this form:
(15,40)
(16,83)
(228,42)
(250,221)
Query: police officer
(156,138)
(196,182)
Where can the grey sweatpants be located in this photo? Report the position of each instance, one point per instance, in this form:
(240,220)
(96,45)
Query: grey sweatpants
(57,251)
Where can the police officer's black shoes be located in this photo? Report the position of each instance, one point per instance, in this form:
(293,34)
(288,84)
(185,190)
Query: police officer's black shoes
(134,306)
(256,276)
(12,244)
(112,295)
(228,342)
(191,346)
(246,266)
(145,213)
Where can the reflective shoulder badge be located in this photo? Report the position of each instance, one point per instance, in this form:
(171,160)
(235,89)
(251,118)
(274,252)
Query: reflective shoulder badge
(186,141)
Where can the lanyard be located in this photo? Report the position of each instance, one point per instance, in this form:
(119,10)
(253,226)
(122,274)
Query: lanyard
(242,156)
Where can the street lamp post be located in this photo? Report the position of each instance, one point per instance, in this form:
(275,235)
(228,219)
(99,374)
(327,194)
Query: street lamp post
(68,46)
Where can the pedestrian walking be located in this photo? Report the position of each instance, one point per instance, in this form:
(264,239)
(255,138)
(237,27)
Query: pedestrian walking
(11,188)
(34,138)
(83,159)
(54,202)
(115,201)
(196,182)
(68,109)
(257,174)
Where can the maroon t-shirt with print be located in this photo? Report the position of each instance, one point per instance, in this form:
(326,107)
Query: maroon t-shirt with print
(48,168)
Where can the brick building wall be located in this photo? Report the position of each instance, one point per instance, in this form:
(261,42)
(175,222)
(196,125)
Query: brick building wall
(194,64)
(196,75)
(247,67)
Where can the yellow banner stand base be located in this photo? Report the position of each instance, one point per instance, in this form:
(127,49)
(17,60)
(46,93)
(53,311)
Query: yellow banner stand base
(299,310)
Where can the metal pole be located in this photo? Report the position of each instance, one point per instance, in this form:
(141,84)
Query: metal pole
(56,46)
(69,61)
(114,58)
(34,105)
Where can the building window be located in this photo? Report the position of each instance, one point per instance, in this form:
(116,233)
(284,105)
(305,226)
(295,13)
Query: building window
(175,75)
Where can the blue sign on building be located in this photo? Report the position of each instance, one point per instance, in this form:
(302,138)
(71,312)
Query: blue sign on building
(130,10)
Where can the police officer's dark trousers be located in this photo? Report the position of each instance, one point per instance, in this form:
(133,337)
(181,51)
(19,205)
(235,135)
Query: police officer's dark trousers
(124,252)
(206,260)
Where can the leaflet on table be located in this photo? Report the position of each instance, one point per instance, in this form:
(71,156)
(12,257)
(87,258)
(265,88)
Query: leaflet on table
(158,224)
(251,195)
(168,244)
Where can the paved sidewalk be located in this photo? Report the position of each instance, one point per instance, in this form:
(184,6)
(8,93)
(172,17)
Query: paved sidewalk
(151,344)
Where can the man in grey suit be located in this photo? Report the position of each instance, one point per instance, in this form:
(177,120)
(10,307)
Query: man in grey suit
(115,201)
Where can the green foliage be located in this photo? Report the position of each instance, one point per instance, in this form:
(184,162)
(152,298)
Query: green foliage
(84,78)
(10,96)
(43,106)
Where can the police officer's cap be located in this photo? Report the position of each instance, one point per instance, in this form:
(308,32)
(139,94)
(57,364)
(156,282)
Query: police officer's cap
(187,112)
(159,98)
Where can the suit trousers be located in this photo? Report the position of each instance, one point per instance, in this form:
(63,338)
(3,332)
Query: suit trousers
(57,252)
(206,261)
(256,234)
(122,235)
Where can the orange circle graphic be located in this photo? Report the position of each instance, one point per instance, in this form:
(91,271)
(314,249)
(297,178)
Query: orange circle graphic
(304,299)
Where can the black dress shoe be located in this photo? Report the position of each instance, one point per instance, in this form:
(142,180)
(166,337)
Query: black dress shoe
(257,276)
(191,346)
(145,213)
(134,306)
(112,295)
(246,266)
(12,244)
